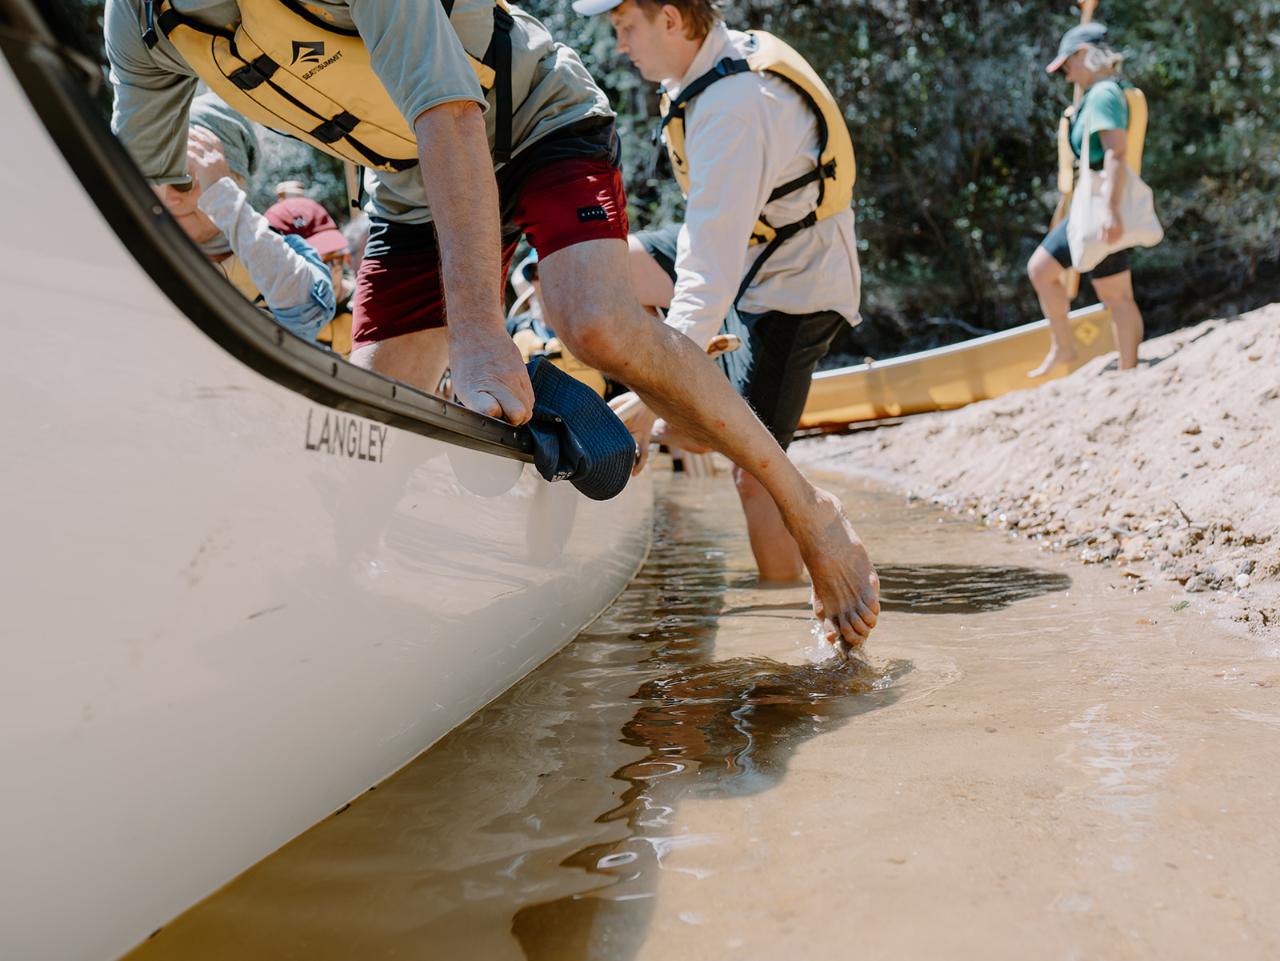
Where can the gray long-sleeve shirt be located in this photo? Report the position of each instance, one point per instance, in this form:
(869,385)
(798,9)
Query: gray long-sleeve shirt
(417,52)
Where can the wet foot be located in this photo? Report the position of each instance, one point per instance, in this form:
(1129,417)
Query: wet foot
(846,590)
(1055,357)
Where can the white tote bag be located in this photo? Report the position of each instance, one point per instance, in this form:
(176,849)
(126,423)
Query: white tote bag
(1141,226)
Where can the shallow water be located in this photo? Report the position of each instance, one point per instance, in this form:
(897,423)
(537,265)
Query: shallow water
(1029,759)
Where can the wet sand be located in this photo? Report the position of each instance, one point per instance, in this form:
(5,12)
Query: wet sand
(1170,471)
(1033,762)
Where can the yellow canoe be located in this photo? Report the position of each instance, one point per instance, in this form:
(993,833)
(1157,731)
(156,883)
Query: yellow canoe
(949,377)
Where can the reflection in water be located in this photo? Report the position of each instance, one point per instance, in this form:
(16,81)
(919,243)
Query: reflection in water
(718,729)
(546,822)
(959,589)
(946,589)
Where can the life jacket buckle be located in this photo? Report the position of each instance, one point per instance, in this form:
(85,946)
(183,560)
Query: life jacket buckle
(255,73)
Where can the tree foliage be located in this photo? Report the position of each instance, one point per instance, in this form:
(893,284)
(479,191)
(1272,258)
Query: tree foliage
(953,119)
(954,122)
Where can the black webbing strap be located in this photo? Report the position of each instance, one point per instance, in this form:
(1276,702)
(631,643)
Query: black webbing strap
(498,57)
(154,25)
(824,172)
(316,21)
(724,68)
(149,35)
(782,235)
(335,128)
(255,73)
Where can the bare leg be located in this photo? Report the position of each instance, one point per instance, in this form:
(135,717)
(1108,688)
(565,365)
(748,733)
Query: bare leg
(1116,292)
(602,324)
(651,283)
(1046,278)
(418,359)
(777,556)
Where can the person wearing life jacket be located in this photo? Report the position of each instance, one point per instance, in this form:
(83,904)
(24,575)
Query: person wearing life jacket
(282,275)
(473,126)
(1114,114)
(767,249)
(307,218)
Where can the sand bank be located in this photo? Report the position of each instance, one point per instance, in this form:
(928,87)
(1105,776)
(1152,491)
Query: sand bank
(1168,472)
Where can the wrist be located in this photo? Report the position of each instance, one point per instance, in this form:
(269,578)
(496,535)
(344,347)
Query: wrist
(478,327)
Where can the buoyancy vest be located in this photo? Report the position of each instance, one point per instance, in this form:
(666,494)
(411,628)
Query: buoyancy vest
(237,274)
(1135,139)
(836,169)
(293,71)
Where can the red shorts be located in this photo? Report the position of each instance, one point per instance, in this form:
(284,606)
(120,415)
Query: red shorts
(562,204)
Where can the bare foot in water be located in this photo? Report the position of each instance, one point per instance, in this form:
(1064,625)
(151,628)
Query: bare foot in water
(846,590)
(1056,356)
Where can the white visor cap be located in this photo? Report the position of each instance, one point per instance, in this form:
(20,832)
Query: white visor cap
(589,8)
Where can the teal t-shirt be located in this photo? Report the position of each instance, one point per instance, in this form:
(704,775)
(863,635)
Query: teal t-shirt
(1104,107)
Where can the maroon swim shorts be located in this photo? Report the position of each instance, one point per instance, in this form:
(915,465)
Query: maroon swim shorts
(566,202)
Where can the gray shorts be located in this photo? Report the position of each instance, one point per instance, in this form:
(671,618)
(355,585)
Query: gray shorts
(774,366)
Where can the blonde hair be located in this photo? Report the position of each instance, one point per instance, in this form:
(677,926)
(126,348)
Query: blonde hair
(1101,59)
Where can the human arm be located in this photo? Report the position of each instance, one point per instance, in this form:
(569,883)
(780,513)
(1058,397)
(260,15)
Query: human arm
(487,371)
(151,97)
(295,284)
(1114,174)
(418,58)
(1106,120)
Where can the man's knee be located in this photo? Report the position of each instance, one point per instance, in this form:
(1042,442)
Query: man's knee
(594,333)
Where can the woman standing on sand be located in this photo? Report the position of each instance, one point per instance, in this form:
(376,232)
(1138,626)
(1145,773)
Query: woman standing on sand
(1104,113)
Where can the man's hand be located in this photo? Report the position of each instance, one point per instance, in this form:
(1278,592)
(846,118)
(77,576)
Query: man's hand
(488,374)
(205,157)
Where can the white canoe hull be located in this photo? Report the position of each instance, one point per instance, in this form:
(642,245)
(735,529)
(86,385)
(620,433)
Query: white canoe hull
(228,609)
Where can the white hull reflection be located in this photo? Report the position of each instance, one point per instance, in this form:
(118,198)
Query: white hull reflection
(228,609)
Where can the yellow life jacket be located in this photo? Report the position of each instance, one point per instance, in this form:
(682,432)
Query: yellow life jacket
(291,70)
(836,170)
(336,335)
(237,274)
(1135,140)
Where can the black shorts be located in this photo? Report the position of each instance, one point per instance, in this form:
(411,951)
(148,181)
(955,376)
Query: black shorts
(1058,248)
(773,368)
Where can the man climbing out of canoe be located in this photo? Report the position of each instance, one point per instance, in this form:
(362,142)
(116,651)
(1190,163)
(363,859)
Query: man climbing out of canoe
(423,96)
(767,248)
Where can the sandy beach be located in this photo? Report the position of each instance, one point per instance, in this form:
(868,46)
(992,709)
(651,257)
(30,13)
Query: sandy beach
(1170,472)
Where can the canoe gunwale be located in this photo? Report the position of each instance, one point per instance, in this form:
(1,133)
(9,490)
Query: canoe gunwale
(50,76)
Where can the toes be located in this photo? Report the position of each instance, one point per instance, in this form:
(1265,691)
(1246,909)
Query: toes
(854,630)
(868,613)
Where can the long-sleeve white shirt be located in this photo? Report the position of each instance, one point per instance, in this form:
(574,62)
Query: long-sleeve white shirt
(294,282)
(745,135)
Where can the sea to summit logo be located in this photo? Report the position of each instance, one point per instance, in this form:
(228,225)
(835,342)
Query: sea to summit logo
(306,51)
(311,51)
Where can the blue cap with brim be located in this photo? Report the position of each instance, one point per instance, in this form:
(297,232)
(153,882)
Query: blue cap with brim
(576,437)
(1075,38)
(589,8)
